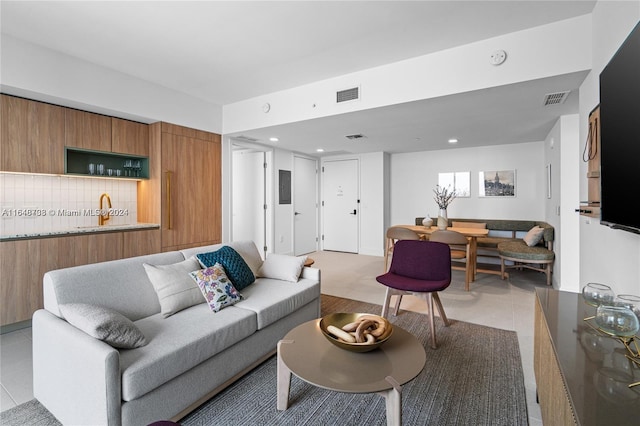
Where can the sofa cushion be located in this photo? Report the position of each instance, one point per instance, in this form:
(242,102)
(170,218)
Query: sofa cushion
(216,287)
(282,267)
(175,288)
(520,250)
(236,268)
(179,343)
(274,299)
(104,324)
(122,285)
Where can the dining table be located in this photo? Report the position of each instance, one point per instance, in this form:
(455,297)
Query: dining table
(471,233)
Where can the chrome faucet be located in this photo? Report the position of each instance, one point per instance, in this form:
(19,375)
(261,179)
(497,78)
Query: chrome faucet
(104,216)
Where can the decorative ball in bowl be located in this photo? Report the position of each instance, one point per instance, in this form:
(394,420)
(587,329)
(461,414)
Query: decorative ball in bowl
(356,332)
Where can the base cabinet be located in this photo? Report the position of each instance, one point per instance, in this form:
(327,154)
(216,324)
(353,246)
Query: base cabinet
(23,264)
(582,375)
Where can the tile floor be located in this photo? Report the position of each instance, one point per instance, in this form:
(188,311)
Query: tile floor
(492,302)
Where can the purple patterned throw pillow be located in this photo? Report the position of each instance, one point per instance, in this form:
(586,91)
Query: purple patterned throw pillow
(216,287)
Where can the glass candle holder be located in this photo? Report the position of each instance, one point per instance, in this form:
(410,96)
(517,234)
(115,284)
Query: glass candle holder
(617,321)
(629,301)
(596,294)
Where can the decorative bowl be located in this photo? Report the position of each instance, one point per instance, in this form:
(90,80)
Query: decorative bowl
(341,319)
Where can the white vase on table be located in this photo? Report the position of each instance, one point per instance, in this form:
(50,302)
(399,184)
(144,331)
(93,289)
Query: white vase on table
(443,222)
(427,222)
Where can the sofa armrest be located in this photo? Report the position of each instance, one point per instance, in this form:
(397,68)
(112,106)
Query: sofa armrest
(310,273)
(75,376)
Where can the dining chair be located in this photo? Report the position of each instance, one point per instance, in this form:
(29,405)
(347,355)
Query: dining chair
(422,269)
(460,250)
(394,234)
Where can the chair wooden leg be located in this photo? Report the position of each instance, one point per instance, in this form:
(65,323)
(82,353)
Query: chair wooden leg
(432,323)
(387,301)
(548,272)
(502,267)
(436,297)
(397,308)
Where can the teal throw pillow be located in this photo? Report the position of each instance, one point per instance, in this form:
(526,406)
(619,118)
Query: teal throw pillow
(236,268)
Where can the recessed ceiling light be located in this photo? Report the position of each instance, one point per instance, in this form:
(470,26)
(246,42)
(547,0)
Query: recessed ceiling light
(319,150)
(453,140)
(274,139)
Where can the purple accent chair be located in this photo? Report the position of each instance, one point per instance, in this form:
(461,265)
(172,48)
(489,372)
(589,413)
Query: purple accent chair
(422,269)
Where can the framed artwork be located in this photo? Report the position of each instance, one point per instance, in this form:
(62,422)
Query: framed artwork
(458,181)
(497,183)
(284,186)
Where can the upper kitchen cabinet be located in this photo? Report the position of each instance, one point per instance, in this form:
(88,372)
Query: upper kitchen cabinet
(87,130)
(129,137)
(32,136)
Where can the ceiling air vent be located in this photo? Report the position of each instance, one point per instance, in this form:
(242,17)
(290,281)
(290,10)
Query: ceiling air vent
(243,138)
(348,95)
(555,98)
(356,136)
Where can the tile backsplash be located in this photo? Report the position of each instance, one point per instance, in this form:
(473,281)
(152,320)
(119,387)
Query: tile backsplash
(31,203)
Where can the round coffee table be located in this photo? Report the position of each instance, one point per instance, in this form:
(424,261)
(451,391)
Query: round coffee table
(305,352)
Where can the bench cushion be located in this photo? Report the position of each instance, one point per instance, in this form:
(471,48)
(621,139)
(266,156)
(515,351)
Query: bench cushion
(520,250)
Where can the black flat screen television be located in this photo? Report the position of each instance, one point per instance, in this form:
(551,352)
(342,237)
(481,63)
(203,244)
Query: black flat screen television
(620,136)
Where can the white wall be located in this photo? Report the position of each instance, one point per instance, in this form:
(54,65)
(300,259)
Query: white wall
(606,255)
(563,143)
(415,175)
(283,213)
(42,74)
(544,51)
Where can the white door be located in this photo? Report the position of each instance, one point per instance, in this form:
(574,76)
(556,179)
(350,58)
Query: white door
(305,224)
(340,205)
(248,196)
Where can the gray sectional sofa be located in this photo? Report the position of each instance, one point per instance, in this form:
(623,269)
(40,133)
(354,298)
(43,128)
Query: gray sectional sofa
(189,356)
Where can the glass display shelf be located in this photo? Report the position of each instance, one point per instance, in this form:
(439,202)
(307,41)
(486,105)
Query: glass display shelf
(105,164)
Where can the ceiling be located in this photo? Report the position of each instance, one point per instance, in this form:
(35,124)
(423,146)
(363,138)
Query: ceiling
(224,51)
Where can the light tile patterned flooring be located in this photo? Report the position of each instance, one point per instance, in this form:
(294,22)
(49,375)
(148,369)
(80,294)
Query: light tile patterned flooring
(492,302)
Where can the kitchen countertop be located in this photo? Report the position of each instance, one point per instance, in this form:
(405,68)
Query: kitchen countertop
(81,230)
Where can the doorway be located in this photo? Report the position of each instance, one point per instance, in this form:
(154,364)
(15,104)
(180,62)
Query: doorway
(305,194)
(249,200)
(340,205)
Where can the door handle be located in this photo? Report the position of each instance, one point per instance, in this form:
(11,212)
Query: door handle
(354,211)
(296,213)
(168,187)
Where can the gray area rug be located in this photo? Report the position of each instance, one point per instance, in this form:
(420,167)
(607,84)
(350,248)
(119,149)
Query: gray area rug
(473,378)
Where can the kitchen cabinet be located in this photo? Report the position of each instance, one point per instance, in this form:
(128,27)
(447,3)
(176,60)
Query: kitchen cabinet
(189,183)
(87,130)
(129,137)
(32,136)
(139,243)
(24,262)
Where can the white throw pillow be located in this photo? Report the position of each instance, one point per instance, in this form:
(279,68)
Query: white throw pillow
(173,285)
(282,267)
(534,236)
(104,324)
